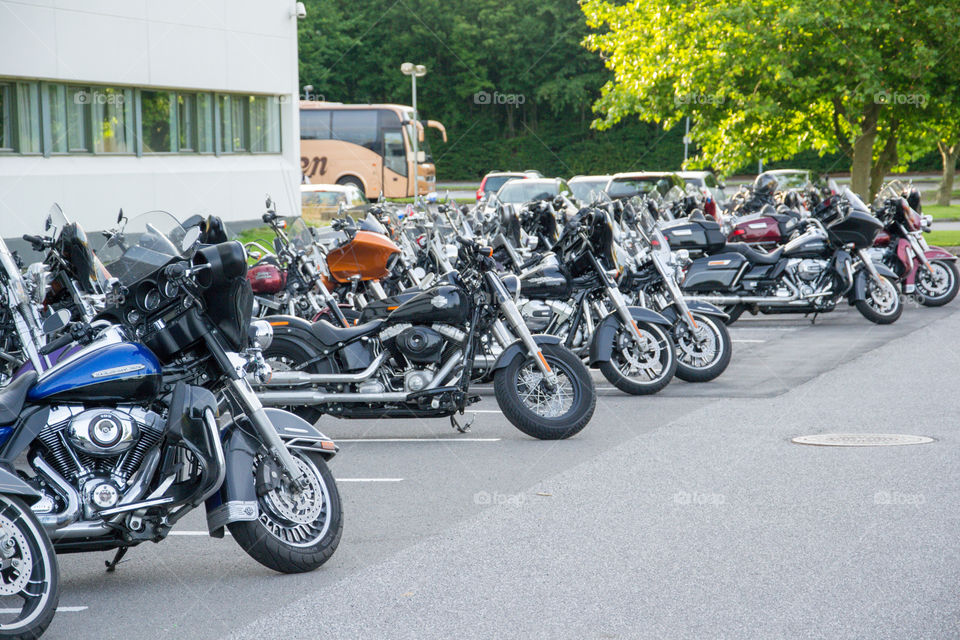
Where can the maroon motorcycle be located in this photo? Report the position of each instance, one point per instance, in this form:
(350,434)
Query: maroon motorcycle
(930,273)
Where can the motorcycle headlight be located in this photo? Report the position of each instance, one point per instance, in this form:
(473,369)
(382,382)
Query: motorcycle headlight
(261,334)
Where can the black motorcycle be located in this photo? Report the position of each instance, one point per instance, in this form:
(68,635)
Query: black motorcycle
(811,273)
(415,355)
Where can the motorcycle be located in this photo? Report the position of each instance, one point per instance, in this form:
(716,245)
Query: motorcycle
(118,426)
(415,356)
(568,294)
(930,273)
(811,273)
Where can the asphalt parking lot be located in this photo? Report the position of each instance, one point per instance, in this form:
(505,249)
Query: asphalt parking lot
(686,514)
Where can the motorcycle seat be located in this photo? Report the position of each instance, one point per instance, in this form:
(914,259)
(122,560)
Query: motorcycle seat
(754,256)
(14,395)
(329,334)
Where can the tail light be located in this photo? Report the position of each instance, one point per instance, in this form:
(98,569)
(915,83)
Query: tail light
(739,232)
(479,193)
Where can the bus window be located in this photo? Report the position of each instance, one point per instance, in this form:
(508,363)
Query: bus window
(314,125)
(394,151)
(357,126)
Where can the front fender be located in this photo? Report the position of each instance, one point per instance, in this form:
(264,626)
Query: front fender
(939,253)
(12,484)
(859,291)
(601,347)
(517,349)
(237,498)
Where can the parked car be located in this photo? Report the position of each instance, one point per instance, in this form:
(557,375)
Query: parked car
(323,201)
(526,190)
(791,178)
(583,186)
(627,185)
(492,182)
(707,182)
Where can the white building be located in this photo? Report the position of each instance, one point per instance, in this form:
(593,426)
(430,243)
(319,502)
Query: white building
(189,106)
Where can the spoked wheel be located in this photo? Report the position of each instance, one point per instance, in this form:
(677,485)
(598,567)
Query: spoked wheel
(938,285)
(702,354)
(538,409)
(299,528)
(29,576)
(644,368)
(881,303)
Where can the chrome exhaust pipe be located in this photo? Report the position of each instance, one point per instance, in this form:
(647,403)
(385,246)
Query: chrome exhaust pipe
(307,398)
(70,513)
(300,378)
(764,300)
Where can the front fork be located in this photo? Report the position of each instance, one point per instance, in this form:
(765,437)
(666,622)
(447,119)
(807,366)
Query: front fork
(676,294)
(509,309)
(868,265)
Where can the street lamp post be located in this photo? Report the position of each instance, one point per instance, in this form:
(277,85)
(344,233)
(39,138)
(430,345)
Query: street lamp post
(414,71)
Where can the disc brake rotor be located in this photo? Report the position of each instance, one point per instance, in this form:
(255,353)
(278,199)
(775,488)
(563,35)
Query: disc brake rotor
(14,571)
(641,356)
(299,505)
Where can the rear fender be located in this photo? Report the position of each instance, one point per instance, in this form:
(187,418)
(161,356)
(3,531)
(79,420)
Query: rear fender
(296,330)
(517,349)
(236,501)
(601,347)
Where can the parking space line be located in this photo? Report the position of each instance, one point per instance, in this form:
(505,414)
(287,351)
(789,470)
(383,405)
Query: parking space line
(59,610)
(369,479)
(454,439)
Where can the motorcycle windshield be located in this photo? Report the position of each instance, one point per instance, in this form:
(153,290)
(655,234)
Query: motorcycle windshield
(892,189)
(56,220)
(145,245)
(370,223)
(300,235)
(855,202)
(11,273)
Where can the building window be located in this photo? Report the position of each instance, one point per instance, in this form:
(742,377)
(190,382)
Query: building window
(264,124)
(96,119)
(6,135)
(112,119)
(157,121)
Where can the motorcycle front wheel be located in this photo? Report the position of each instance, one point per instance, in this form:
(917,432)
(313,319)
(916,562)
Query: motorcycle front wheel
(538,410)
(881,303)
(705,354)
(298,528)
(939,285)
(29,575)
(645,368)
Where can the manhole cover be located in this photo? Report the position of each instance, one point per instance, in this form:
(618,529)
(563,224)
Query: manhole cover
(861,439)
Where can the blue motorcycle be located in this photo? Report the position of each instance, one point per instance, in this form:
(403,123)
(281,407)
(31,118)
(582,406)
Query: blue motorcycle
(129,421)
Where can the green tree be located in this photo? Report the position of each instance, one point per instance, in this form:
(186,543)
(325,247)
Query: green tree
(765,79)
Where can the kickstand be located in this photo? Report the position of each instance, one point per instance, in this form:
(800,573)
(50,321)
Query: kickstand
(813,320)
(465,427)
(112,565)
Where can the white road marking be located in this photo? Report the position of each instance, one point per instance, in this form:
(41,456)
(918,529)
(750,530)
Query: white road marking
(749,341)
(454,439)
(369,479)
(193,533)
(484,411)
(59,610)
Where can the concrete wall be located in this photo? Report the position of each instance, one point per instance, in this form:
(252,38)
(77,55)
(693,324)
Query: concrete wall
(210,45)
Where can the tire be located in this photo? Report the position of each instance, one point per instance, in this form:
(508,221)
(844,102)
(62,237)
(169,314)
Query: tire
(355,181)
(507,383)
(687,368)
(284,354)
(946,269)
(269,539)
(734,311)
(868,306)
(18,521)
(665,358)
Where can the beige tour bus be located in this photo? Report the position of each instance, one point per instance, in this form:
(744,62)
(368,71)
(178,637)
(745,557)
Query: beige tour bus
(367,145)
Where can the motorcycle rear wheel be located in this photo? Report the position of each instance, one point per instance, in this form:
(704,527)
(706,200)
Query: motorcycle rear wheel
(295,532)
(534,408)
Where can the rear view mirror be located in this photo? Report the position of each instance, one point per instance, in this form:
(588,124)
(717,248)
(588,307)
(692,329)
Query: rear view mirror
(190,238)
(56,321)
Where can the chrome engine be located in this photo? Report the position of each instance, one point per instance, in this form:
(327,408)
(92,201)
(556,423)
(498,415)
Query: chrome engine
(93,459)
(807,269)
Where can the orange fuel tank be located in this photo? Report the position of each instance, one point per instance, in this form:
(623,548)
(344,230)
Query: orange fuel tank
(366,255)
